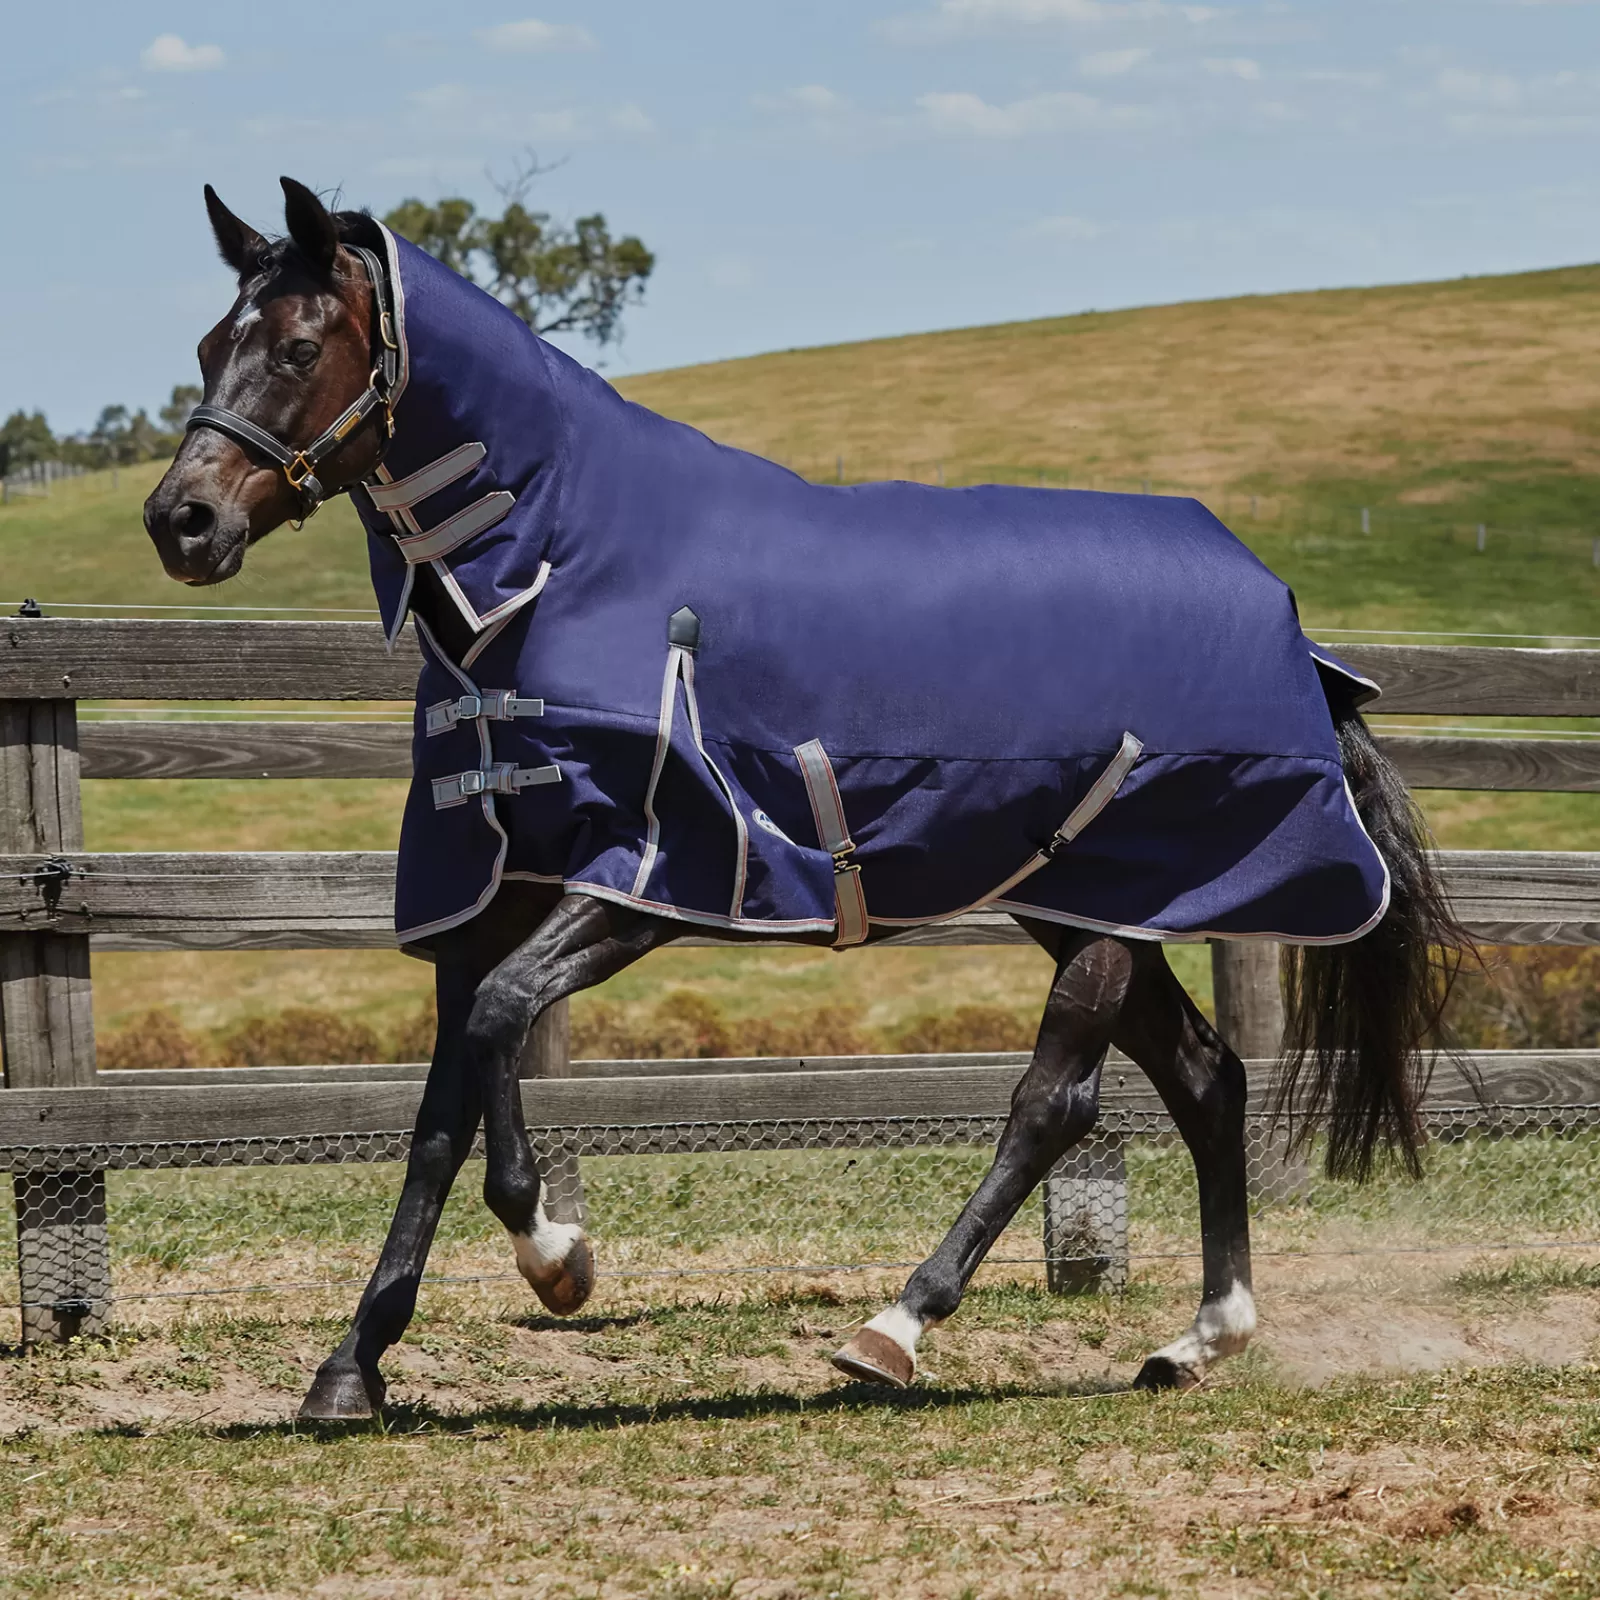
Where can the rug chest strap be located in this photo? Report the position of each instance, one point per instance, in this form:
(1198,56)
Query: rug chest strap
(501,777)
(827,808)
(499,705)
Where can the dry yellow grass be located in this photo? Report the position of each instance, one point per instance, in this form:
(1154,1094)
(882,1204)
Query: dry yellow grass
(1274,390)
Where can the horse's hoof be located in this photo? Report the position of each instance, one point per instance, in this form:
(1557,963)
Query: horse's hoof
(564,1289)
(1162,1372)
(876,1358)
(343,1392)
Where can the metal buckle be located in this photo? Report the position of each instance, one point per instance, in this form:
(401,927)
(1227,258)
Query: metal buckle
(307,468)
(468,707)
(843,863)
(474,782)
(386,330)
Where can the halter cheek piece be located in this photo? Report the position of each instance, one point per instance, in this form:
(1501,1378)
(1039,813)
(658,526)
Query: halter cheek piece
(300,465)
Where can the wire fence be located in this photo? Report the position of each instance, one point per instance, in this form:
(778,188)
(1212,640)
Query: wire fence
(229,1218)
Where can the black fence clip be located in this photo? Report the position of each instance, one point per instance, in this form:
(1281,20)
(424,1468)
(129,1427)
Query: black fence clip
(30,608)
(52,878)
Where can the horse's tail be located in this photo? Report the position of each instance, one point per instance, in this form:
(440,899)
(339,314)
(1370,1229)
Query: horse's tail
(1363,1017)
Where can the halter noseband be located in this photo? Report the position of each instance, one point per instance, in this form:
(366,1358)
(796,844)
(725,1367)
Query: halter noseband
(300,465)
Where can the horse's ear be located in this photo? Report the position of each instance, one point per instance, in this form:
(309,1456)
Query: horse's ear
(310,226)
(240,244)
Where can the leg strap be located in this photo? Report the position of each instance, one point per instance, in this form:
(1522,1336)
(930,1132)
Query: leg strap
(850,901)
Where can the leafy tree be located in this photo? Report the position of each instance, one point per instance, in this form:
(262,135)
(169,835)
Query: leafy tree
(558,277)
(24,439)
(119,438)
(185,397)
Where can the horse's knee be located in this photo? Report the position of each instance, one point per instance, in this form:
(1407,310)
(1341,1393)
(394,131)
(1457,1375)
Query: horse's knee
(502,1013)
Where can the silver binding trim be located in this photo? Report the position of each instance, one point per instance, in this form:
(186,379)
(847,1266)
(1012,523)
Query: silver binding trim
(652,834)
(456,530)
(1100,795)
(827,808)
(498,705)
(500,777)
(403,493)
(680,663)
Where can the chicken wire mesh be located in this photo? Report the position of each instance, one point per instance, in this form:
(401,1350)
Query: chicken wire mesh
(123,1224)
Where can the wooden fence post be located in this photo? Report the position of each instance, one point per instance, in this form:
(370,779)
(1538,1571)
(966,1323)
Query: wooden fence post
(1249,1002)
(47,1029)
(548,1054)
(1086,1218)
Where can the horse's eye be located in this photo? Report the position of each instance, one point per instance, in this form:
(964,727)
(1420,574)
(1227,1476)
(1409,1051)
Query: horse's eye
(302,352)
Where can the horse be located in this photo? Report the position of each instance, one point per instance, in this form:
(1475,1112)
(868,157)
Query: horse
(348,355)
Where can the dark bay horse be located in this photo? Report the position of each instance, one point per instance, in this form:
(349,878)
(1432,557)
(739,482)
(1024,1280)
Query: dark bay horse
(303,379)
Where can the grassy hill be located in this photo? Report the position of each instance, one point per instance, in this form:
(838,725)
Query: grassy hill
(1436,406)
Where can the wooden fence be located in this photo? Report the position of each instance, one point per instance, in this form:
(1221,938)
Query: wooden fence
(59,902)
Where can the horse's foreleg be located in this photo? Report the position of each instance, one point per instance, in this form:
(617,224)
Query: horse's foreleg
(580,943)
(348,1385)
(1202,1084)
(1052,1108)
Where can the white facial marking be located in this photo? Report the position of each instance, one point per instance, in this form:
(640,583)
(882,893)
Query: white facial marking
(900,1325)
(1220,1328)
(541,1252)
(249,315)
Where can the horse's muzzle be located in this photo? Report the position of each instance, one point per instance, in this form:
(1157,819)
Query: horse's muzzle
(194,545)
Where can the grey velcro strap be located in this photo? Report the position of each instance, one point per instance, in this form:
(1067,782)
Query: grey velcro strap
(502,777)
(498,705)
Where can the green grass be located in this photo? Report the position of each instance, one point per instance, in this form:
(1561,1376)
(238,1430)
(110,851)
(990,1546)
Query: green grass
(651,1453)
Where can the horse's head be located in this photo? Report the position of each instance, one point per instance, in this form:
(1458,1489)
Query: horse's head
(275,431)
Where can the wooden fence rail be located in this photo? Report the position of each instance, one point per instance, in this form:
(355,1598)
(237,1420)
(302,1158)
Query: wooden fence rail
(59,901)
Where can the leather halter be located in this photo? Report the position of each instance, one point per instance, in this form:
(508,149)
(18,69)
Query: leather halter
(300,464)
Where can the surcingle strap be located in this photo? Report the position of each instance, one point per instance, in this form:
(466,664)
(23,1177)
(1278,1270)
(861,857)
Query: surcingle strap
(499,705)
(502,777)
(850,901)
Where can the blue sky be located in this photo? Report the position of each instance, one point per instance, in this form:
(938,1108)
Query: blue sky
(806,173)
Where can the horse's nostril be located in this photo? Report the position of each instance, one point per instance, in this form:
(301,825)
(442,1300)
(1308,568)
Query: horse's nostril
(191,521)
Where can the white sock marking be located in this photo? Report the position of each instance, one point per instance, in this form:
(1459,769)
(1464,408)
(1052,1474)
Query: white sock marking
(900,1325)
(541,1252)
(1220,1328)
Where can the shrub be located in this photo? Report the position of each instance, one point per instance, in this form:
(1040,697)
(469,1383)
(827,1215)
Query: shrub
(412,1040)
(966,1028)
(299,1036)
(1529,997)
(155,1039)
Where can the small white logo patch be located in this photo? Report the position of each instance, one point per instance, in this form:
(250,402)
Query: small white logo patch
(767,825)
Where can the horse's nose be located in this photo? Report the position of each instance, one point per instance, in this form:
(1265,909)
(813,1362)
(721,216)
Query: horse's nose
(192,523)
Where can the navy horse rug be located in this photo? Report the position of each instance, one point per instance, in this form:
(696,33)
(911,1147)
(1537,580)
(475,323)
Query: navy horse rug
(702,686)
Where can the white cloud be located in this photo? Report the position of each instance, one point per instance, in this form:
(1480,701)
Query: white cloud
(952,17)
(1233,67)
(1111,63)
(962,112)
(814,97)
(1479,88)
(531,36)
(168,53)
(631,119)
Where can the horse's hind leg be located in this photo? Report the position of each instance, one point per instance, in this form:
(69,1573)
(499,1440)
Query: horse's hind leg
(1202,1084)
(1053,1107)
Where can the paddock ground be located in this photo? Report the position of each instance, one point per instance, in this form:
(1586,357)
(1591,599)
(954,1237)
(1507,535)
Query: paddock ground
(1386,1436)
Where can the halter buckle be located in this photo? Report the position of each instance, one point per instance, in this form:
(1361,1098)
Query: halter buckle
(300,464)
(385,327)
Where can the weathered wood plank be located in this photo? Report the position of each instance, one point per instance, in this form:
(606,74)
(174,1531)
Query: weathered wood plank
(1569,766)
(55,658)
(1478,681)
(60,658)
(133,749)
(110,1115)
(245,750)
(1503,896)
